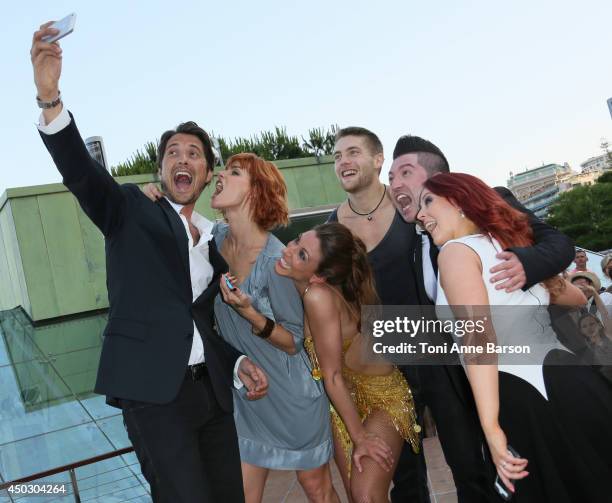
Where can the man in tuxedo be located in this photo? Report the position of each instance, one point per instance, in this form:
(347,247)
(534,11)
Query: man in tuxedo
(162,362)
(444,387)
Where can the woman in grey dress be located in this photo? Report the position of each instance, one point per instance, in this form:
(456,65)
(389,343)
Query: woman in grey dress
(261,314)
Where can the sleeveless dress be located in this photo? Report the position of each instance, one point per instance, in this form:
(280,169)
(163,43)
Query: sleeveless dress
(389,393)
(551,414)
(289,428)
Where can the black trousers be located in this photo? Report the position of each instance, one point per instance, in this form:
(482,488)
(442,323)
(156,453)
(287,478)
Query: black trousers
(410,478)
(460,436)
(188,448)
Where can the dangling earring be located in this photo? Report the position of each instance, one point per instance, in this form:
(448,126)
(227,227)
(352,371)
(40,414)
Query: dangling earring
(461,213)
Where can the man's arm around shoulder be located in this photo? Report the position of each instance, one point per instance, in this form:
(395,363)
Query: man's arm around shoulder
(552,251)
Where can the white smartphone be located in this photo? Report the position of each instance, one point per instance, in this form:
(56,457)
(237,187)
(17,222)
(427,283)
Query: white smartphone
(65,27)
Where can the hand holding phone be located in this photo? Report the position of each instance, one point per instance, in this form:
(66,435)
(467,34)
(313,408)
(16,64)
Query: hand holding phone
(499,486)
(229,284)
(64,26)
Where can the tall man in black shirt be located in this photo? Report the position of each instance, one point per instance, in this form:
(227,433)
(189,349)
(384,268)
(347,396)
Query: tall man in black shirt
(370,214)
(445,388)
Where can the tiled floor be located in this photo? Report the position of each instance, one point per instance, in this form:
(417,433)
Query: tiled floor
(282,487)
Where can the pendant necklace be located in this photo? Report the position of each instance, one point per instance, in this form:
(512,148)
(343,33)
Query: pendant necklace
(369,213)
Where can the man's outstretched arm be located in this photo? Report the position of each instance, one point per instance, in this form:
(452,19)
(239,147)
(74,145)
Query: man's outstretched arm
(47,64)
(97,192)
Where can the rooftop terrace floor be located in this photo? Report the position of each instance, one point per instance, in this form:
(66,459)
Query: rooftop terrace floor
(283,487)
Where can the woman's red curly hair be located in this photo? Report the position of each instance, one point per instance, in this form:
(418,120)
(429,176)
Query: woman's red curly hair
(268,193)
(483,206)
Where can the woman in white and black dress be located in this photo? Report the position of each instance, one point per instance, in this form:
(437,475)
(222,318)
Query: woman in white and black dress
(551,415)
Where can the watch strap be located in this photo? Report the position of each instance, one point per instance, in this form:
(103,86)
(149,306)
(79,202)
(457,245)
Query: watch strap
(49,104)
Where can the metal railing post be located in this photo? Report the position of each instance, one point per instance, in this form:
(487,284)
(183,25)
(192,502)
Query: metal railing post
(75,486)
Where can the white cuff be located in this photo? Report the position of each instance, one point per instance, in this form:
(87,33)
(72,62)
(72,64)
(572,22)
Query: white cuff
(237,382)
(56,125)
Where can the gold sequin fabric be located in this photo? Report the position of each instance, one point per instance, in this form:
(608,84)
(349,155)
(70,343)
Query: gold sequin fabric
(389,393)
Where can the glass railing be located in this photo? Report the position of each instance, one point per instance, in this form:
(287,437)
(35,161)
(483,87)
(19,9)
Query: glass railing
(58,440)
(108,478)
(54,432)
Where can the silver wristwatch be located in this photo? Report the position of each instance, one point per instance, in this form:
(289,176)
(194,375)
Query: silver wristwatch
(49,104)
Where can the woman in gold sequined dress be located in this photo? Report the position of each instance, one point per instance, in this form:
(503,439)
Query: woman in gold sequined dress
(373,411)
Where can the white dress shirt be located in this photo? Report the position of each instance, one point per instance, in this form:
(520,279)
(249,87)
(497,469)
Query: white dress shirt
(606,298)
(56,125)
(429,275)
(200,270)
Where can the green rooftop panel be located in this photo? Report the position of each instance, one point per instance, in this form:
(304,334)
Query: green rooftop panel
(52,261)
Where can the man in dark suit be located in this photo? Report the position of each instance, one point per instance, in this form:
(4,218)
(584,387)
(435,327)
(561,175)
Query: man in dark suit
(444,388)
(162,362)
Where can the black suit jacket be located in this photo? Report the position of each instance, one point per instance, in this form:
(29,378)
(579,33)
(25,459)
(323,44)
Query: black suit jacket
(148,338)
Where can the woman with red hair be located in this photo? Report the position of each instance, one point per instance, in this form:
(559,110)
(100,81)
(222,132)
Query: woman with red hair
(261,313)
(519,403)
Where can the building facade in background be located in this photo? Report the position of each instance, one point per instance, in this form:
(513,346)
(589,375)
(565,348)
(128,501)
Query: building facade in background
(538,188)
(595,164)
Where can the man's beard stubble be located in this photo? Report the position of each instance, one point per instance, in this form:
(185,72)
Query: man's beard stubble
(365,181)
(196,195)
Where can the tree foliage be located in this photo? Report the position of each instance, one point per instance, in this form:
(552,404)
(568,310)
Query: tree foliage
(271,145)
(140,163)
(277,144)
(320,142)
(585,214)
(605,178)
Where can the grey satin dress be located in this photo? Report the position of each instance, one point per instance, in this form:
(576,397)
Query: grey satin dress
(288,429)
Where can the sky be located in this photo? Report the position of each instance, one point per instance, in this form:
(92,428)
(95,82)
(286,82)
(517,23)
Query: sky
(498,87)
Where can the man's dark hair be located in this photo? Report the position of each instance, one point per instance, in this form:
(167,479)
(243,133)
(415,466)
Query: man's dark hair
(428,155)
(372,140)
(192,128)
